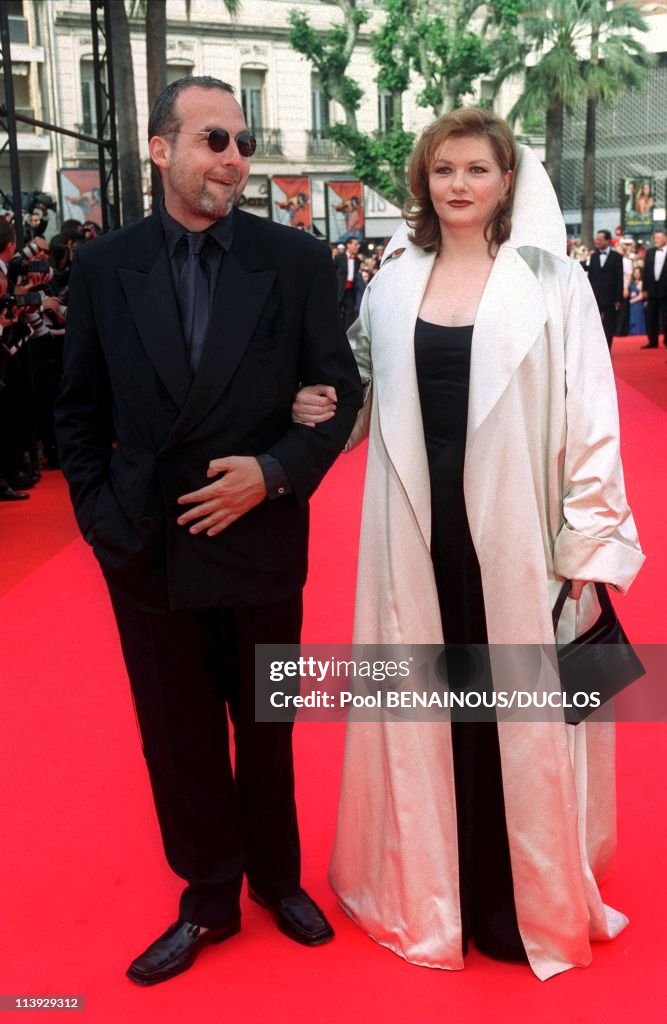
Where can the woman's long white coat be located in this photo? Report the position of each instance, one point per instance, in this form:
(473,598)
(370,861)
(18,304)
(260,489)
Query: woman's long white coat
(545,498)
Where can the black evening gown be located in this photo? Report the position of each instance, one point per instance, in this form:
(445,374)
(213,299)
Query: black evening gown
(488,913)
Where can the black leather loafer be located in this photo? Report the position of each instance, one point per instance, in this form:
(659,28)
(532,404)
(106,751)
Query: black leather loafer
(298,917)
(176,950)
(9,494)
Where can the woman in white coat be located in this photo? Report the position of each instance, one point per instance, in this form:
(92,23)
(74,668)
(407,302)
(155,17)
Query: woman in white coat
(493,474)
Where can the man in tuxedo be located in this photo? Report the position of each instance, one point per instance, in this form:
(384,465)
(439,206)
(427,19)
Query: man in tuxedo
(188,335)
(605,273)
(655,290)
(350,285)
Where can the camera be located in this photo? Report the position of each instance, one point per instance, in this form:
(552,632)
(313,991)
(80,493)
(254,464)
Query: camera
(30,200)
(22,263)
(21,267)
(27,302)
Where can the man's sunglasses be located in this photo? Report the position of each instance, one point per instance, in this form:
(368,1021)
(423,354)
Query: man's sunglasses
(219,138)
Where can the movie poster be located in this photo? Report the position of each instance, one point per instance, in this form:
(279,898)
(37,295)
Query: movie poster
(638,201)
(80,194)
(345,210)
(291,202)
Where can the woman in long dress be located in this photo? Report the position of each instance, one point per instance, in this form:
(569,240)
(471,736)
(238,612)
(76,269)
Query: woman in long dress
(493,474)
(637,316)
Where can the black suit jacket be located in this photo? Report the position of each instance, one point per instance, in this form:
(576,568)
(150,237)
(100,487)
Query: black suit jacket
(340,265)
(274,324)
(607,281)
(654,289)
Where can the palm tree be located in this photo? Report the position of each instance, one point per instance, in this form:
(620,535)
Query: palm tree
(615,60)
(555,82)
(129,162)
(155,12)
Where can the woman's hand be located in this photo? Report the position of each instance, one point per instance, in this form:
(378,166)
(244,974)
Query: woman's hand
(314,404)
(577,587)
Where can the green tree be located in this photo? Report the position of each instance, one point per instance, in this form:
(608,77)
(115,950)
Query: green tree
(615,60)
(330,53)
(437,42)
(378,159)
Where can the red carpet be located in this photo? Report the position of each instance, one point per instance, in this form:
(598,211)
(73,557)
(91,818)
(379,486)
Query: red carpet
(85,884)
(644,369)
(31,531)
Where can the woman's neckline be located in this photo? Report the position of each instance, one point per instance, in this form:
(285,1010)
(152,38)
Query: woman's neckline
(447,327)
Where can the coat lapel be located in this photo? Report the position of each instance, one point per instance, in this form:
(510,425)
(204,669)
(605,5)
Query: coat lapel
(152,301)
(394,312)
(510,318)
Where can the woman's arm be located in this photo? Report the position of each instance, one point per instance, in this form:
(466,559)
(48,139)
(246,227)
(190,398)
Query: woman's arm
(598,539)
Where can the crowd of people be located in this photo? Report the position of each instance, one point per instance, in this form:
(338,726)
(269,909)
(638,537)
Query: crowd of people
(34,287)
(631,291)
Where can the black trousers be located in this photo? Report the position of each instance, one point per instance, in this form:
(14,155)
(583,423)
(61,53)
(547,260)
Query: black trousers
(188,670)
(656,319)
(609,316)
(348,308)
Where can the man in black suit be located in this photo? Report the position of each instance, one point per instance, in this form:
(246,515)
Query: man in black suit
(655,290)
(350,285)
(188,335)
(605,272)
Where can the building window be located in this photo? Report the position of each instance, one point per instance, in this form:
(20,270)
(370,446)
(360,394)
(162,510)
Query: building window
(176,71)
(252,98)
(89,114)
(319,107)
(486,92)
(385,111)
(18,25)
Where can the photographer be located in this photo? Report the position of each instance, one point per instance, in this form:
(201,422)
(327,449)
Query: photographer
(30,372)
(10,471)
(44,314)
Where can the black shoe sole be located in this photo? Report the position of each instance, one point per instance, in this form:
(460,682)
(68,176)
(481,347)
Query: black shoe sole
(145,980)
(305,940)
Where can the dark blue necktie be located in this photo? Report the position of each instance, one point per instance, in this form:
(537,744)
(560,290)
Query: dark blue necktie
(194,296)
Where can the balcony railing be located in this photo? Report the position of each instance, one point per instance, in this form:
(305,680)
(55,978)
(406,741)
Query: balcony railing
(320,145)
(269,141)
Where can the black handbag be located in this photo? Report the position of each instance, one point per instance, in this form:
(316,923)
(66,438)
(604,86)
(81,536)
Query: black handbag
(599,661)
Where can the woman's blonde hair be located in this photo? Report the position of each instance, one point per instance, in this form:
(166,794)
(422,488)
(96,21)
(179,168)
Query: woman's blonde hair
(465,122)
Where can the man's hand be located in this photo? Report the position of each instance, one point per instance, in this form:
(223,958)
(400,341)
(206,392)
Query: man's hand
(6,320)
(53,304)
(219,504)
(314,404)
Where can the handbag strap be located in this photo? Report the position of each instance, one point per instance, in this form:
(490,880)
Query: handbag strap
(600,590)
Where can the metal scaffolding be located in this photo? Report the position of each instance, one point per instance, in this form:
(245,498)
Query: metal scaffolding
(105,109)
